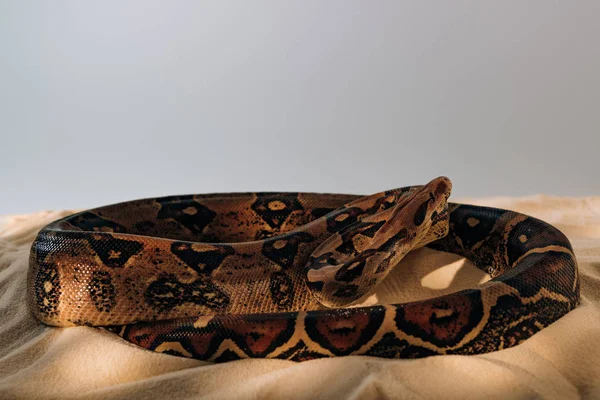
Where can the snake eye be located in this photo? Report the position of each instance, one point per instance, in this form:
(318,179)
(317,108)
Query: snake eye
(421,212)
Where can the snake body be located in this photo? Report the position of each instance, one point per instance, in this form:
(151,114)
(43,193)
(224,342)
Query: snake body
(221,277)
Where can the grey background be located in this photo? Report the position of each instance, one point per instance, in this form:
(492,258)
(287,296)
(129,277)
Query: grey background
(108,101)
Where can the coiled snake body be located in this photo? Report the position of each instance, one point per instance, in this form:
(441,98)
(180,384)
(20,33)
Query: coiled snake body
(227,276)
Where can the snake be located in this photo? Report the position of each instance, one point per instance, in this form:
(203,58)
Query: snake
(227,276)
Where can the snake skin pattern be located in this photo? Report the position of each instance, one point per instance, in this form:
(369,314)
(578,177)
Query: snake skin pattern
(222,277)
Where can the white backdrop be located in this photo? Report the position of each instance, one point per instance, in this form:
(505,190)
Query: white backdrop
(109,101)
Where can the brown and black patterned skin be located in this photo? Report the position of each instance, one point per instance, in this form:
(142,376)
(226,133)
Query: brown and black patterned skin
(227,276)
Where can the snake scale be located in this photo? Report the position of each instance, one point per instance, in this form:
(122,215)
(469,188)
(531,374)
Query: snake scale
(222,277)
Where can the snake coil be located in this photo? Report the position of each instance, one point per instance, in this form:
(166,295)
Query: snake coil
(227,276)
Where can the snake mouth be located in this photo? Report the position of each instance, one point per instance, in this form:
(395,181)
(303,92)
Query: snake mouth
(439,217)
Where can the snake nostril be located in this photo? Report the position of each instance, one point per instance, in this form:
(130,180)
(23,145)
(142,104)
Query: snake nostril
(442,187)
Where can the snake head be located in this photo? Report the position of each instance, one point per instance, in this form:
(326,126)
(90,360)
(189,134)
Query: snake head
(359,256)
